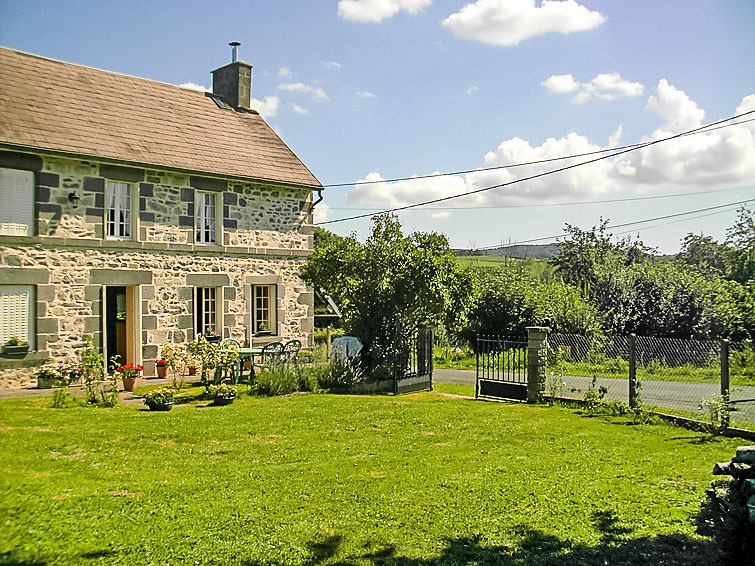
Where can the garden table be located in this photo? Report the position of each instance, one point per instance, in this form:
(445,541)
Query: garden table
(247,355)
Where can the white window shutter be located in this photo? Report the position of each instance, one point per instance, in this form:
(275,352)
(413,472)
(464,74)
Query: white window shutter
(17,197)
(16,314)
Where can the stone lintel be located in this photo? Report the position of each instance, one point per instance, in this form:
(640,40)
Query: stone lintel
(207,279)
(124,277)
(23,276)
(118,173)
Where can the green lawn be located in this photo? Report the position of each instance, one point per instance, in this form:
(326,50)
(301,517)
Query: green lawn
(326,479)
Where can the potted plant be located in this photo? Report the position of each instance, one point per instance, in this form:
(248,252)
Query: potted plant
(160,399)
(263,330)
(222,393)
(15,346)
(162,368)
(128,373)
(50,375)
(212,336)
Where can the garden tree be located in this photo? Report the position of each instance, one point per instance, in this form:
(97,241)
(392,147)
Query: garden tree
(323,238)
(741,237)
(706,254)
(585,252)
(392,282)
(510,299)
(650,296)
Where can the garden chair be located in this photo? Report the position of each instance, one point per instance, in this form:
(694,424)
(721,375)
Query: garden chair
(271,356)
(291,352)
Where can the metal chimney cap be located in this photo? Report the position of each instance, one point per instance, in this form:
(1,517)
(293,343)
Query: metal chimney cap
(234,51)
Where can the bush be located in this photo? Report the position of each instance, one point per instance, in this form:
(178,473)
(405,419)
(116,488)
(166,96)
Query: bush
(277,382)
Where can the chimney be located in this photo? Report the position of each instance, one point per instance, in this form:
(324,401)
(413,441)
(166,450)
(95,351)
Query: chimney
(233,83)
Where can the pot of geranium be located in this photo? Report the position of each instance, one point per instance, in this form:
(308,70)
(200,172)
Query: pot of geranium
(128,374)
(161,399)
(15,347)
(162,368)
(222,394)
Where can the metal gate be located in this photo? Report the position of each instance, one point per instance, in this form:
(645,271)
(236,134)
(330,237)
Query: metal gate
(413,362)
(501,368)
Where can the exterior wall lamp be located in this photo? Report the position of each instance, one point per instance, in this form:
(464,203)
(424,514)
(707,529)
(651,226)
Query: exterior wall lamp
(73,198)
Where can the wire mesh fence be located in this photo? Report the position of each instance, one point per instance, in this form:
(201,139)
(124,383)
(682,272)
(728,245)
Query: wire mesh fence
(684,377)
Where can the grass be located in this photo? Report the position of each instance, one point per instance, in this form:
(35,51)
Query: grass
(328,479)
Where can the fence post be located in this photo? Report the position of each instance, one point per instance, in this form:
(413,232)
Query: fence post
(327,342)
(477,367)
(536,359)
(725,380)
(633,397)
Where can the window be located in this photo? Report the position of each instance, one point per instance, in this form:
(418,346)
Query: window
(118,211)
(205,217)
(264,309)
(206,310)
(17,313)
(17,197)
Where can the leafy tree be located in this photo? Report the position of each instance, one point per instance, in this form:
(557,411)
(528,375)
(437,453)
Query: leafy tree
(704,253)
(510,300)
(392,282)
(741,236)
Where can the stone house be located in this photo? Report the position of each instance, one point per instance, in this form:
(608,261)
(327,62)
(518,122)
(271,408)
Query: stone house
(140,213)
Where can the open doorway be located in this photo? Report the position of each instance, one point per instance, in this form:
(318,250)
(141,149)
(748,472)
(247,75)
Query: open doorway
(119,321)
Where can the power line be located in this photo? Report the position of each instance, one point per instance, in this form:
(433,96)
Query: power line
(541,205)
(625,224)
(538,175)
(527,163)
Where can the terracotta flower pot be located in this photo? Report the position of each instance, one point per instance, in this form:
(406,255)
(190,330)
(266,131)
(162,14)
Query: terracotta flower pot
(129,383)
(162,371)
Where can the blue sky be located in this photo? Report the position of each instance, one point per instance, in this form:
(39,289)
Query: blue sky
(379,89)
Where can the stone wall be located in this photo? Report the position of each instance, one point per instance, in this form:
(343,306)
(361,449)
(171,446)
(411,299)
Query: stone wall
(265,232)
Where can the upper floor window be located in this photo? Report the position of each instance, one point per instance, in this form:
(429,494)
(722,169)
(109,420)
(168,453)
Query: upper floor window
(17,305)
(118,210)
(17,198)
(206,218)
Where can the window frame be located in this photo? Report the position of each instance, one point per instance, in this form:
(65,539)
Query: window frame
(12,225)
(201,299)
(111,194)
(201,216)
(31,314)
(272,308)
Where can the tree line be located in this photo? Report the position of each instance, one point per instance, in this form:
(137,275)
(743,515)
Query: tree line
(595,284)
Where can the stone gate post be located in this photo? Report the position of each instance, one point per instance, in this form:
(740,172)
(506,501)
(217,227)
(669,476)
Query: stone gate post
(537,349)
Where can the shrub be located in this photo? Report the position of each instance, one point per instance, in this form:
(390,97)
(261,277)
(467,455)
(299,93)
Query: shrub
(276,382)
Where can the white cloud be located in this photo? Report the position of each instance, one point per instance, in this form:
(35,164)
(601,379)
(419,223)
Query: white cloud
(331,64)
(365,94)
(509,22)
(194,86)
(322,212)
(605,86)
(722,158)
(284,72)
(316,92)
(267,107)
(299,109)
(472,88)
(673,105)
(375,11)
(559,84)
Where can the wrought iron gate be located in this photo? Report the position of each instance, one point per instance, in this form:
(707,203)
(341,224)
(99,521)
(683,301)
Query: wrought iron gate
(501,368)
(413,362)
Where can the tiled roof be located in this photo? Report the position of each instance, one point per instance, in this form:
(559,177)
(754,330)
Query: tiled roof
(57,106)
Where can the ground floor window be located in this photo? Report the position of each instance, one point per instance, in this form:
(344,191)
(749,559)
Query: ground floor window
(17,313)
(207,311)
(264,309)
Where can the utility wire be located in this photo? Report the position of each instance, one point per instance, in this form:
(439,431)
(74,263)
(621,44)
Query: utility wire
(523,164)
(625,224)
(628,199)
(544,174)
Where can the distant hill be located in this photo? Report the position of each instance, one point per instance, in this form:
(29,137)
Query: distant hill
(537,251)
